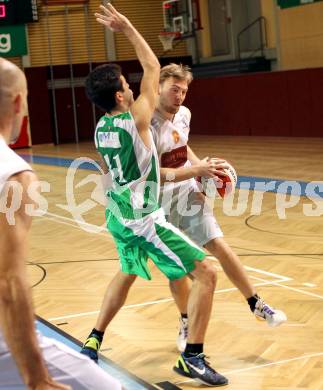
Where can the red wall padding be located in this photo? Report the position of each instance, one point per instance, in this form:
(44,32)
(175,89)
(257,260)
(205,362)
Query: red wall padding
(287,103)
(23,139)
(39,105)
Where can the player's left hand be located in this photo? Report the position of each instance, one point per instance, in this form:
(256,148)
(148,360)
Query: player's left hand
(112,19)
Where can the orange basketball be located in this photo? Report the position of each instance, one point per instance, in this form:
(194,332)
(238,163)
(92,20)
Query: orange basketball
(224,185)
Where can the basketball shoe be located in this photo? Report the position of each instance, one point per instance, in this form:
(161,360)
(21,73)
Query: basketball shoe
(182,335)
(197,368)
(264,312)
(91,347)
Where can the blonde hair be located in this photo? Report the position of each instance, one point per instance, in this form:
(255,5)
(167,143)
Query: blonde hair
(178,71)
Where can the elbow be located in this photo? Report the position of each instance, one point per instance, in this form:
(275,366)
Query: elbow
(155,62)
(153,65)
(11,286)
(5,296)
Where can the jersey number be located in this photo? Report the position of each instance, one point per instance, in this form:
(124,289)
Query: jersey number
(119,173)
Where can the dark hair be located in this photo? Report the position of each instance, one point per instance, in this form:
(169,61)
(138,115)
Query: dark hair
(102,84)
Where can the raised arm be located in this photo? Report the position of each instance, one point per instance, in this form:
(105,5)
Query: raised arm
(17,317)
(142,109)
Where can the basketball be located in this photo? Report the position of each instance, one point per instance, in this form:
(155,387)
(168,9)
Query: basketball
(223,185)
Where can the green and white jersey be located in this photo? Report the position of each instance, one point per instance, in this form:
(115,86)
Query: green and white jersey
(133,168)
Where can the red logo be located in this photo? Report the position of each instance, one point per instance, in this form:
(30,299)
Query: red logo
(176,136)
(2,11)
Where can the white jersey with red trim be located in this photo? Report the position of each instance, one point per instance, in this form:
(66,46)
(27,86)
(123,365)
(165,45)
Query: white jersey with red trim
(171,139)
(183,203)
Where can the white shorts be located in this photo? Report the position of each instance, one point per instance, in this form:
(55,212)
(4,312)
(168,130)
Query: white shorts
(192,212)
(64,365)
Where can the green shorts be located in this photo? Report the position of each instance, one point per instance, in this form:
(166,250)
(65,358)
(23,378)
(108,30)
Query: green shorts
(153,237)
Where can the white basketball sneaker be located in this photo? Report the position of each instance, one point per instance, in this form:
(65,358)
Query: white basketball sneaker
(264,312)
(182,335)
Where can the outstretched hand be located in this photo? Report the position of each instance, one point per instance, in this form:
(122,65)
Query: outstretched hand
(112,19)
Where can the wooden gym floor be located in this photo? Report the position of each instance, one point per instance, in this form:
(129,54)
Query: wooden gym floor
(70,266)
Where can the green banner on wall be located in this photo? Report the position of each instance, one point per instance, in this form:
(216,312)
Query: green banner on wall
(13,41)
(294,3)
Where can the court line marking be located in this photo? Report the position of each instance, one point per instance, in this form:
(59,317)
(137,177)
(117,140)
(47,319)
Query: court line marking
(58,217)
(294,289)
(260,271)
(106,232)
(75,222)
(262,365)
(146,303)
(309,285)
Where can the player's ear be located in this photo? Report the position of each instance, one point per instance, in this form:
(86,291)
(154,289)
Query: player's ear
(119,97)
(17,103)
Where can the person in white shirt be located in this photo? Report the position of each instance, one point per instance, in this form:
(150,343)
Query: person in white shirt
(27,359)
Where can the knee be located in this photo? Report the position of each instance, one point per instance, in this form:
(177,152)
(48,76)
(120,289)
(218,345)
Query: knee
(212,277)
(173,285)
(209,276)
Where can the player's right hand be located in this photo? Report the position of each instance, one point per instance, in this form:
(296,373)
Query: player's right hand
(112,18)
(208,167)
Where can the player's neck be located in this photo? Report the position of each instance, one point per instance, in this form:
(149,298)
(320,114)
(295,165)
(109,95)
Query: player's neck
(165,114)
(119,109)
(113,113)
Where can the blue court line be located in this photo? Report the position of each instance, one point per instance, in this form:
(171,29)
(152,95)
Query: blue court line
(54,161)
(265,184)
(129,381)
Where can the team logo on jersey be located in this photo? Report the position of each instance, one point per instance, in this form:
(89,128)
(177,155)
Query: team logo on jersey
(109,139)
(176,136)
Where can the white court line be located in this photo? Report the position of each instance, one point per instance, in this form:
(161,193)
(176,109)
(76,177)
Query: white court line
(260,271)
(76,222)
(249,268)
(309,284)
(265,283)
(273,281)
(294,289)
(263,365)
(72,222)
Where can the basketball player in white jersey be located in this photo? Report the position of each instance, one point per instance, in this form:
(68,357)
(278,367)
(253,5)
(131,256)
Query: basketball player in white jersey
(179,167)
(27,360)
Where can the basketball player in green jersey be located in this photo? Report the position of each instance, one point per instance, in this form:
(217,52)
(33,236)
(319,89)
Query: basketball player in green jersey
(134,218)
